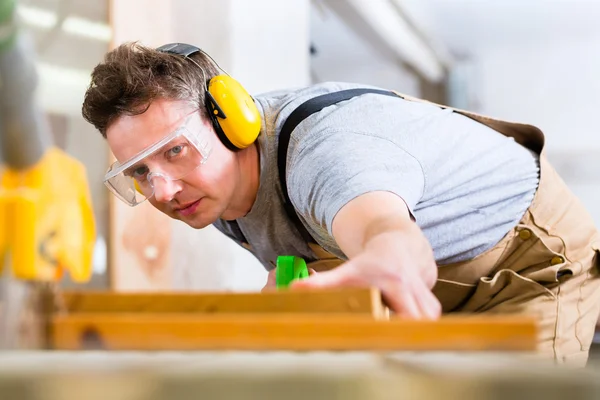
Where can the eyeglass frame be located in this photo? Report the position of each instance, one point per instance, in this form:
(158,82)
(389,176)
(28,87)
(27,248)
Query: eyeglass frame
(117,168)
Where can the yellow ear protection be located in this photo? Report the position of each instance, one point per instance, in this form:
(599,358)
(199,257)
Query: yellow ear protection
(232,111)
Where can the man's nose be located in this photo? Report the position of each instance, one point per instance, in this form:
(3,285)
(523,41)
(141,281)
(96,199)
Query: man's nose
(165,189)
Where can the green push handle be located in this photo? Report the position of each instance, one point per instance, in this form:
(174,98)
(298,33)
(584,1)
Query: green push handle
(289,269)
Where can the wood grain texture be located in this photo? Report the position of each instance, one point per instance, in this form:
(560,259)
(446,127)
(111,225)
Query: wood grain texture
(348,300)
(290,332)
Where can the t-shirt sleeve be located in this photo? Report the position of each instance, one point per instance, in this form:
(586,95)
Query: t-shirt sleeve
(329,169)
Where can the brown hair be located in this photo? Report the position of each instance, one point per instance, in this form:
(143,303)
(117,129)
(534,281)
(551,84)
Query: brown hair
(132,76)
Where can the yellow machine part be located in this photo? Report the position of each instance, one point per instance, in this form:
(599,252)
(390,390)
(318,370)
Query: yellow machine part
(46,219)
(3,226)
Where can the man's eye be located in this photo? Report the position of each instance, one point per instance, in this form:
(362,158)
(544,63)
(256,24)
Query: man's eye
(175,151)
(140,172)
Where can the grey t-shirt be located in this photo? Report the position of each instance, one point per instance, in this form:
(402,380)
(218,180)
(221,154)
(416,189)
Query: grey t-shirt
(466,184)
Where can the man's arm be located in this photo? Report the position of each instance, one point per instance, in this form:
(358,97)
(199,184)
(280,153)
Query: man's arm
(386,249)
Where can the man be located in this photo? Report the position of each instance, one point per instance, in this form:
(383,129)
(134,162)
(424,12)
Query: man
(442,210)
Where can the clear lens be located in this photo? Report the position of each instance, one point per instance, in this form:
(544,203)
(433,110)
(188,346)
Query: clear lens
(172,158)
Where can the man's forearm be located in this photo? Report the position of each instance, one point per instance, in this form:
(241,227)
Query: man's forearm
(387,250)
(399,232)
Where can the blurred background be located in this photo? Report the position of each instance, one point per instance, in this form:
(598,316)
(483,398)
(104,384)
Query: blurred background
(534,61)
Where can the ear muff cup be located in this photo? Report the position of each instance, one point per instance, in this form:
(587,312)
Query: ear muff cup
(233,112)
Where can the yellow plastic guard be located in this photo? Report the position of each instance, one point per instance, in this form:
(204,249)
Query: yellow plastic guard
(46,219)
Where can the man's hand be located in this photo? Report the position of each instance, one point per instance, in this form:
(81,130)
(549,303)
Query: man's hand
(387,250)
(271,281)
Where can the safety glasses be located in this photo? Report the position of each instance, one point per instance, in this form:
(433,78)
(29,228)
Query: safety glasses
(171,158)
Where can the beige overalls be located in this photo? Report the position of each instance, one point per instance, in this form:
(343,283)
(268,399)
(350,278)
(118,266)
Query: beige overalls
(546,266)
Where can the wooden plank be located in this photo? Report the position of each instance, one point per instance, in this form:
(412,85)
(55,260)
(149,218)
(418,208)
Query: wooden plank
(347,300)
(289,332)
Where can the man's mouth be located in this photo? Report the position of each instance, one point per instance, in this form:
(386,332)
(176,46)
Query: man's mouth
(188,209)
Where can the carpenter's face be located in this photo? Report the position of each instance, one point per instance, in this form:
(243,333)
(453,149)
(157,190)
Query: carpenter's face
(204,192)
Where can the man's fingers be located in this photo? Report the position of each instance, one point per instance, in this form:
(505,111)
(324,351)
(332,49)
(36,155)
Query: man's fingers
(415,301)
(402,303)
(271,281)
(432,309)
(339,276)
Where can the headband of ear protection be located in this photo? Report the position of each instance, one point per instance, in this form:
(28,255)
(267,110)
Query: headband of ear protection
(232,111)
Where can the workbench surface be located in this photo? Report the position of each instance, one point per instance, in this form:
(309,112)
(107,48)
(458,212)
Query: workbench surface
(290,375)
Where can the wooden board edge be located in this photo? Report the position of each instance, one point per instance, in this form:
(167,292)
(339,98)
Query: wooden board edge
(290,332)
(343,300)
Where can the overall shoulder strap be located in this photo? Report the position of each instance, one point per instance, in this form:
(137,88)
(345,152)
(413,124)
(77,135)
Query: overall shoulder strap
(527,135)
(303,111)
